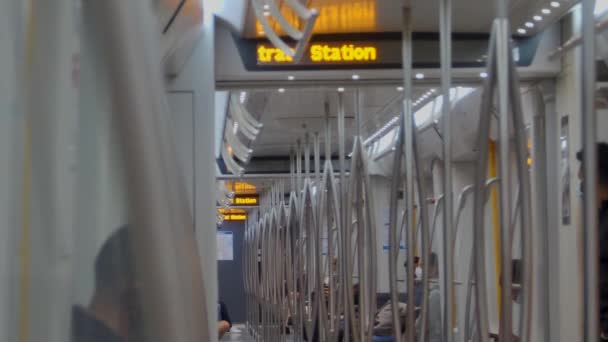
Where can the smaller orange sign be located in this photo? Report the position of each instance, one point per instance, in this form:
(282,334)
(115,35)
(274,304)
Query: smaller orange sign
(233,214)
(235,217)
(241,188)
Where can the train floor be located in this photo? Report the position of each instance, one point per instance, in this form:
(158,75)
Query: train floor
(239,333)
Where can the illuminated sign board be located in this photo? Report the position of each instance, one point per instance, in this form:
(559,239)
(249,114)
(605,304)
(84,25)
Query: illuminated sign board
(244,200)
(233,214)
(322,53)
(375,51)
(235,217)
(241,188)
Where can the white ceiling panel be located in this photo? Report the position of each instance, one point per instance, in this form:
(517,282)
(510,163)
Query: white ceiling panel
(290,115)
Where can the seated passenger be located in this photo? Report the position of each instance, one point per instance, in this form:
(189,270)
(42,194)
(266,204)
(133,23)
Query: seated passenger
(315,336)
(113,314)
(384,319)
(224,323)
(383,325)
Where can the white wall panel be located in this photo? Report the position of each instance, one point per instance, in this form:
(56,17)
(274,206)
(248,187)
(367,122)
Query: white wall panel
(181,109)
(198,77)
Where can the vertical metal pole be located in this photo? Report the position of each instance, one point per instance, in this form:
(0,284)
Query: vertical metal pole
(394,241)
(299,166)
(408,134)
(589,132)
(541,220)
(307,156)
(553,218)
(426,243)
(358,107)
(167,262)
(525,199)
(327,133)
(481,170)
(50,117)
(372,247)
(502,58)
(292,168)
(317,152)
(448,213)
(345,225)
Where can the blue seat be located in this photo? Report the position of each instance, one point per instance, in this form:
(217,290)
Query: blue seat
(383,339)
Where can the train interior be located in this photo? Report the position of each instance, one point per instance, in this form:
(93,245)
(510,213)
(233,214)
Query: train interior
(302,170)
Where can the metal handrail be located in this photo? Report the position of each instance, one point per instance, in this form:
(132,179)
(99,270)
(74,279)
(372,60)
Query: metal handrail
(360,205)
(328,224)
(240,150)
(231,164)
(472,279)
(308,257)
(247,124)
(436,212)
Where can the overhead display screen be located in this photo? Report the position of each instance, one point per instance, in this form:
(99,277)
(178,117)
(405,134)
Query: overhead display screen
(375,51)
(244,200)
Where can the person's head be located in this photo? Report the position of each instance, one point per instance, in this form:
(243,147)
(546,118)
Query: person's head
(602,171)
(115,298)
(416,261)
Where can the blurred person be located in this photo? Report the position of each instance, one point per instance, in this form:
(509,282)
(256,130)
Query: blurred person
(113,313)
(224,323)
(417,268)
(602,207)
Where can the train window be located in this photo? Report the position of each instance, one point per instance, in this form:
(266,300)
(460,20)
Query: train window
(601,6)
(425,113)
(433,109)
(386,141)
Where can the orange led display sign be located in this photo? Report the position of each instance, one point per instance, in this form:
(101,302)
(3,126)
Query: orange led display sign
(242,188)
(235,217)
(244,200)
(334,17)
(233,214)
(342,53)
(345,53)
(370,51)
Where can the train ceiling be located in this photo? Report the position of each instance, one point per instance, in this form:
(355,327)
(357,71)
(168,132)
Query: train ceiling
(364,16)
